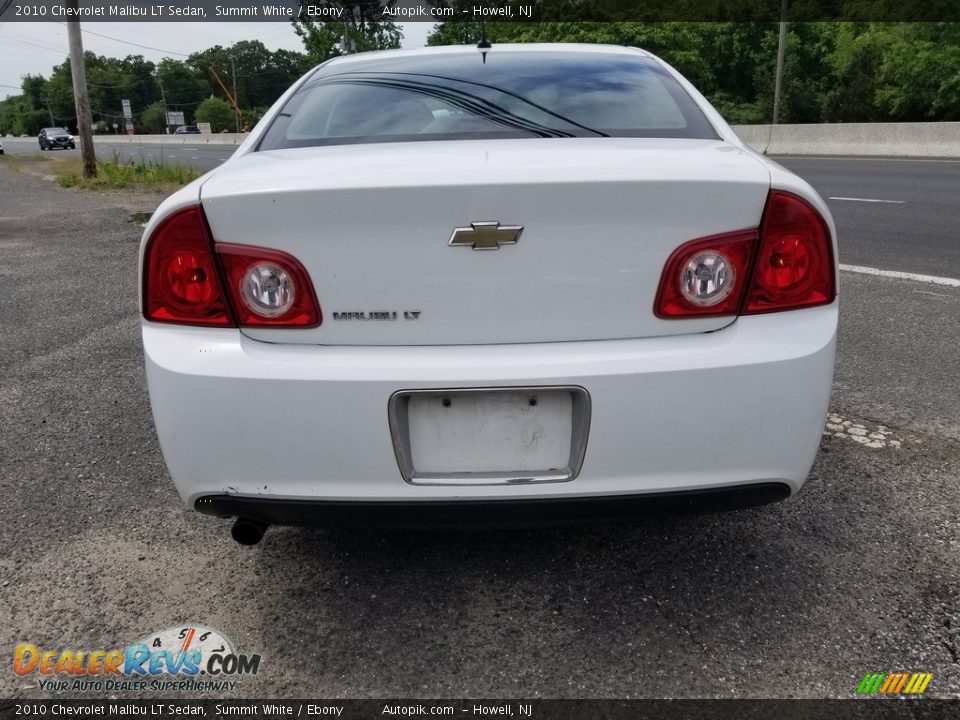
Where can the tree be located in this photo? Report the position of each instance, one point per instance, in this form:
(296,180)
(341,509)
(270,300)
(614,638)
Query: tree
(261,75)
(919,73)
(153,119)
(217,112)
(251,116)
(362,29)
(30,122)
(732,63)
(33,87)
(183,85)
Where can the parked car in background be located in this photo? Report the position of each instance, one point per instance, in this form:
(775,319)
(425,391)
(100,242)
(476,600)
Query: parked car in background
(55,137)
(526,280)
(187,130)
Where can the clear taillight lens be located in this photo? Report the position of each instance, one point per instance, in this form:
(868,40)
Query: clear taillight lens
(706,276)
(269,288)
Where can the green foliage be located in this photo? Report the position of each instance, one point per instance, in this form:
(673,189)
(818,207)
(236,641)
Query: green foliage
(919,76)
(261,76)
(833,71)
(153,119)
(117,173)
(361,29)
(183,85)
(29,122)
(251,116)
(218,113)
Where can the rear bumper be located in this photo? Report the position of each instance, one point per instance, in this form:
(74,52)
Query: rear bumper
(249,422)
(460,513)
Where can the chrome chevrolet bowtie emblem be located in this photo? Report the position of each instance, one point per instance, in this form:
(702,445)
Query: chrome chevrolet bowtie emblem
(486,235)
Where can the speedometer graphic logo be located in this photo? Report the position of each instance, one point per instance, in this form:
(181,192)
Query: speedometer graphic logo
(186,638)
(190,649)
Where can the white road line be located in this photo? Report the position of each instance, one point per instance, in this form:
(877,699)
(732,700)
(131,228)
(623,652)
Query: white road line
(893,202)
(864,157)
(932,279)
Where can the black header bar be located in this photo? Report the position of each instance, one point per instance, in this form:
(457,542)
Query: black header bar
(477,10)
(255,709)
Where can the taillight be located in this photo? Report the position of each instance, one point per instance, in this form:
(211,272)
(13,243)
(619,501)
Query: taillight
(180,280)
(707,276)
(787,265)
(794,265)
(268,288)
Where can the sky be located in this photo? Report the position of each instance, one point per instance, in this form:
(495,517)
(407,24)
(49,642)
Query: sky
(35,48)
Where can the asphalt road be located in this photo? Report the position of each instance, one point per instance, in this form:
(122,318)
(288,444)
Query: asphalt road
(201,156)
(859,573)
(913,230)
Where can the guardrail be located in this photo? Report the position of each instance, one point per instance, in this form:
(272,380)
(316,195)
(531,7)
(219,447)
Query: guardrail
(933,139)
(182,139)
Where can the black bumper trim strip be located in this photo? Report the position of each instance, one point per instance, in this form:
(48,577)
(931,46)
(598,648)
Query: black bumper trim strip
(459,513)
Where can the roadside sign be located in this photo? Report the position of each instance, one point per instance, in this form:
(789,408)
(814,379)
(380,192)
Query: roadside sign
(127,116)
(204,128)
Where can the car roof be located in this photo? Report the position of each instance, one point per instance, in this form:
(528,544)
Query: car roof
(562,48)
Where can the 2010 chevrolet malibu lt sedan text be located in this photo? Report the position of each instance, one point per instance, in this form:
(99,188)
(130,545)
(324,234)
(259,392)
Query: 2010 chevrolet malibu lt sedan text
(518,282)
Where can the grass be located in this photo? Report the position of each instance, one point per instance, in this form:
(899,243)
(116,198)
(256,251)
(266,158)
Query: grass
(117,173)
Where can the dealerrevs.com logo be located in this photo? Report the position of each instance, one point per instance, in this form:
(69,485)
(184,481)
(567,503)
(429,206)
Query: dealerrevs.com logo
(186,658)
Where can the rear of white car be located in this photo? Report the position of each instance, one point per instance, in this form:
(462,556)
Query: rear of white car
(491,305)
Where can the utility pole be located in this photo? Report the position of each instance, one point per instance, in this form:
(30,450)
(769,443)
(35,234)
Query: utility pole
(163,99)
(236,105)
(781,48)
(78,74)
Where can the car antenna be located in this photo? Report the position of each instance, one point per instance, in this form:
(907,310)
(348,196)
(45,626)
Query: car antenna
(484,44)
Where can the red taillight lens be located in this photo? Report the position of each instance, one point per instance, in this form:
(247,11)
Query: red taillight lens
(180,281)
(268,288)
(794,266)
(706,277)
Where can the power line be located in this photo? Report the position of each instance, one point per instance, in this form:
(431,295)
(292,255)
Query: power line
(36,45)
(127,42)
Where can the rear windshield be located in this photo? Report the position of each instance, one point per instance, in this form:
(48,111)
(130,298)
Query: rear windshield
(509,95)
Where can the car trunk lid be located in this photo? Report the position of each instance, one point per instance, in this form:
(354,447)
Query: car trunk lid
(373,225)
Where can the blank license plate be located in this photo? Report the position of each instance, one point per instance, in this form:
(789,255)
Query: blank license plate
(471,436)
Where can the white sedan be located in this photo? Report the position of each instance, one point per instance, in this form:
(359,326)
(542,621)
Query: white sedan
(515,283)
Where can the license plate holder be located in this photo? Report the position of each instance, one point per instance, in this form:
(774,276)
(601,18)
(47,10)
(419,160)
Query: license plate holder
(490,436)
